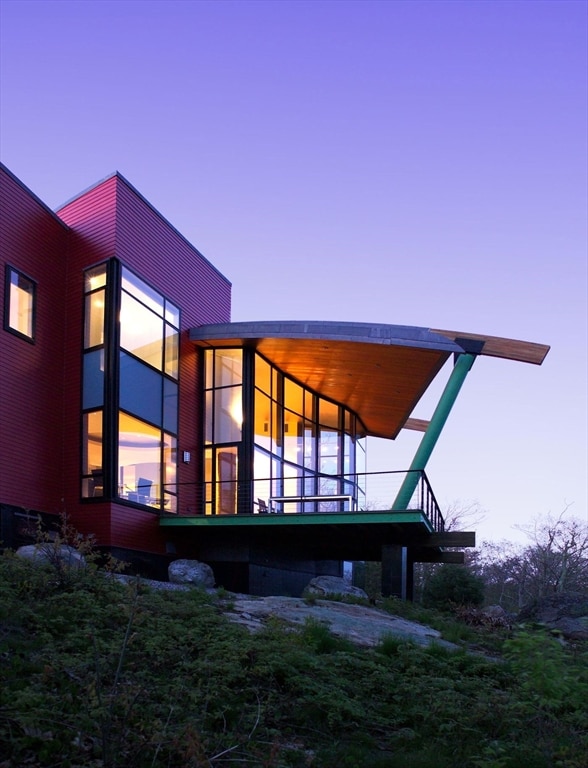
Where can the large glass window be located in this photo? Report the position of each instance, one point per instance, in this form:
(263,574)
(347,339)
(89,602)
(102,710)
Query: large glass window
(147,464)
(149,336)
(139,391)
(19,302)
(309,443)
(224,402)
(93,381)
(303,445)
(149,325)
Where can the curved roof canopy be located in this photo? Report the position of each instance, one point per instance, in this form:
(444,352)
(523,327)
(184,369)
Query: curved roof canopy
(378,371)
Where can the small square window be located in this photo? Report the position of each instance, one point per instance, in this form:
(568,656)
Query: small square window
(19,304)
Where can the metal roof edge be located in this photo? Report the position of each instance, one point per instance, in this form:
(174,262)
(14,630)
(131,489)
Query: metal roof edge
(135,191)
(35,197)
(366,333)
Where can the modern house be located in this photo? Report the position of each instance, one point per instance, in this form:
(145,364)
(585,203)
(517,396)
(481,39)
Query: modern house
(132,404)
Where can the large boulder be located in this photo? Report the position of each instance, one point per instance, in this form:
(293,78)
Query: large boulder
(191,572)
(55,554)
(563,612)
(333,585)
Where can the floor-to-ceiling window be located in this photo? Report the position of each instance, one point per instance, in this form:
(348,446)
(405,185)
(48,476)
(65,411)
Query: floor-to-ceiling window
(223,429)
(130,390)
(93,395)
(305,451)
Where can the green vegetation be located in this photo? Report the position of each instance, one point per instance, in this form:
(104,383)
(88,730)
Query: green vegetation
(101,674)
(453,585)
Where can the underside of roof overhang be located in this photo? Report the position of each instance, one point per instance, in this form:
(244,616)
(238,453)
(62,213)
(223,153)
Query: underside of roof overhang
(378,371)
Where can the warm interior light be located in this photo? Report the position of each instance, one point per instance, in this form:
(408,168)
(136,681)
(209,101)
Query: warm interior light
(96,281)
(236,407)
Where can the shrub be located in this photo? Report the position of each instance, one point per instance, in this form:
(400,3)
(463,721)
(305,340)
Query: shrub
(453,585)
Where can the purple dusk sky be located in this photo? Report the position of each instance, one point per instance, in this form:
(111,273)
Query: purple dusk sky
(408,162)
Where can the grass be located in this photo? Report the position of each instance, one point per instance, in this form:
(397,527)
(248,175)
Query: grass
(96,673)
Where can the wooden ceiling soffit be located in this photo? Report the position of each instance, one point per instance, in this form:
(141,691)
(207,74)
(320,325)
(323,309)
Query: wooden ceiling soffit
(382,384)
(378,372)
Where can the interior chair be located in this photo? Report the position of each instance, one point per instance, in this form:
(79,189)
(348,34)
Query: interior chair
(97,482)
(143,490)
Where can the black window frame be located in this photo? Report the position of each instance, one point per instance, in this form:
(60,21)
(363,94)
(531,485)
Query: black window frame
(8,272)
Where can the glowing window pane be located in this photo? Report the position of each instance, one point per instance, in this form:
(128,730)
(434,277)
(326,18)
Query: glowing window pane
(262,374)
(170,487)
(172,343)
(94,319)
(262,420)
(95,278)
(172,314)
(92,442)
(293,396)
(228,367)
(228,415)
(328,414)
(139,461)
(226,476)
(208,368)
(21,303)
(141,331)
(142,291)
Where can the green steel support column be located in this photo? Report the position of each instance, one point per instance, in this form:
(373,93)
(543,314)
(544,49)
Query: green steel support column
(425,449)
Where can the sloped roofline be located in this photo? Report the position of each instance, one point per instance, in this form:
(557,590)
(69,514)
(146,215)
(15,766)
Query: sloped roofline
(379,371)
(135,191)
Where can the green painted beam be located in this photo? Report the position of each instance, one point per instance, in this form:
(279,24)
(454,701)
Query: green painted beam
(460,370)
(310,519)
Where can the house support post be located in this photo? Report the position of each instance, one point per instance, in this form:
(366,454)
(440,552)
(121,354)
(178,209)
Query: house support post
(460,370)
(397,572)
(397,563)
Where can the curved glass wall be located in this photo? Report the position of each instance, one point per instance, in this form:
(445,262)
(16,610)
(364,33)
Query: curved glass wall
(305,450)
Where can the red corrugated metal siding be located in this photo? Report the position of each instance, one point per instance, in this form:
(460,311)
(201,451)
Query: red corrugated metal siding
(117,525)
(144,241)
(111,219)
(92,218)
(31,382)
(134,529)
(148,244)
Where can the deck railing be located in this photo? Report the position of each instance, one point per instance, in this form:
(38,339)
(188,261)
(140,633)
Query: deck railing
(362,492)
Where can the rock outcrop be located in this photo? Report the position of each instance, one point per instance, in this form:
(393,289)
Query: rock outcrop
(55,554)
(562,612)
(363,625)
(191,572)
(333,585)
